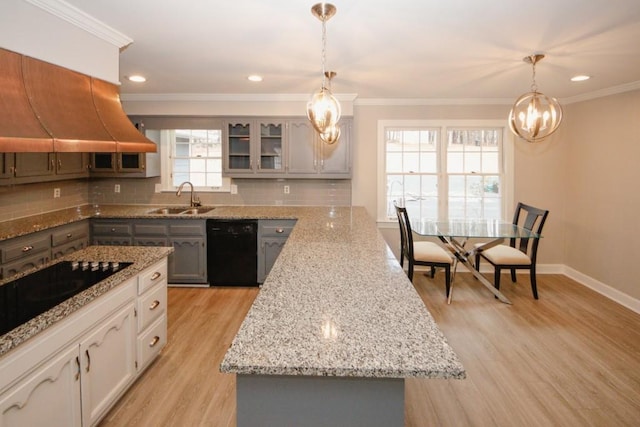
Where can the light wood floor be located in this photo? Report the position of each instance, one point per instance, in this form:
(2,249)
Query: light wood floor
(571,358)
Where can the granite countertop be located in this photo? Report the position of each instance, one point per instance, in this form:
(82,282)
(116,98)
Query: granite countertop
(336,302)
(142,257)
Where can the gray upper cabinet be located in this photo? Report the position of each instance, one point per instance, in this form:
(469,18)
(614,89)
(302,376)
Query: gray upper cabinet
(6,167)
(253,147)
(125,165)
(23,168)
(309,157)
(283,148)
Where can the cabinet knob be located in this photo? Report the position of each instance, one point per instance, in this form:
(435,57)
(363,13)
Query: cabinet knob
(154,341)
(279,230)
(113,230)
(27,248)
(69,235)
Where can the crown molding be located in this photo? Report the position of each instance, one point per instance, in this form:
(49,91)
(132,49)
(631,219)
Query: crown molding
(627,87)
(82,20)
(431,101)
(225,97)
(353,97)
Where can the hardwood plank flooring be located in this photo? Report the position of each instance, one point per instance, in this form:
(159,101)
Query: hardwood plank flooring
(571,358)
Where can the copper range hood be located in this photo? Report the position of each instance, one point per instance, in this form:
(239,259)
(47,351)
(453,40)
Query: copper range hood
(48,108)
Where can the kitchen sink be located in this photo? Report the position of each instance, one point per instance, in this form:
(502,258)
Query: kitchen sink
(198,210)
(181,210)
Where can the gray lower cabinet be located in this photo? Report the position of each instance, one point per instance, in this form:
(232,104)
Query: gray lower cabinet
(188,262)
(24,253)
(111,232)
(272,235)
(69,238)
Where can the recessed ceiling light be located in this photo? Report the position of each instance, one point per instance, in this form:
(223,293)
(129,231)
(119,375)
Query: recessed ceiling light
(137,78)
(580,78)
(254,78)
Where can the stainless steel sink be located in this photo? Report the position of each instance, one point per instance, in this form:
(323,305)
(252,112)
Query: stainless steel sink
(181,210)
(198,210)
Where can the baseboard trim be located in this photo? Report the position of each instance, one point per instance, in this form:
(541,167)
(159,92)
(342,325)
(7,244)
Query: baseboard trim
(613,294)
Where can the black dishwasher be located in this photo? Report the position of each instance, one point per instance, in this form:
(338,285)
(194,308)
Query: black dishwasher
(232,252)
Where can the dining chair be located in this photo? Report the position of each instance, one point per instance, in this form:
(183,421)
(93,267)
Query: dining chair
(428,254)
(520,253)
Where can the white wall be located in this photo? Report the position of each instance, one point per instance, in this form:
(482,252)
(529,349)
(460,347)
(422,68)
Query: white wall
(31,31)
(602,195)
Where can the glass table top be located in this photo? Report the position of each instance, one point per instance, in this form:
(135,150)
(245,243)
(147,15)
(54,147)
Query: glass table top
(470,228)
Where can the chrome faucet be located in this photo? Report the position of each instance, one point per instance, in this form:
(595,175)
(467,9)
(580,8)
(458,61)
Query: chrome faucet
(195,201)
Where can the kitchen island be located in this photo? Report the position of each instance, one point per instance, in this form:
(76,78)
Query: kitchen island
(334,331)
(337,325)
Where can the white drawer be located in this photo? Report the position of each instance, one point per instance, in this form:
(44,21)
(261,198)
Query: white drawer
(151,342)
(151,305)
(153,275)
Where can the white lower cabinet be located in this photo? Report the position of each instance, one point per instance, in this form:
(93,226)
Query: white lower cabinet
(72,373)
(107,364)
(50,396)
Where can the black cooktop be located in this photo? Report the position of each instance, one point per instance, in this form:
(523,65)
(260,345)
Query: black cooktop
(25,298)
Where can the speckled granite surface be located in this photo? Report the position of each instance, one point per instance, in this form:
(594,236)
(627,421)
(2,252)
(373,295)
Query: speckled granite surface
(142,257)
(336,302)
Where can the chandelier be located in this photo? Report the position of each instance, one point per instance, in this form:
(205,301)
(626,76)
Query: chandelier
(323,109)
(534,115)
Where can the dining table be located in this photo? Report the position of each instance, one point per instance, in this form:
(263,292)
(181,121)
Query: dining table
(455,234)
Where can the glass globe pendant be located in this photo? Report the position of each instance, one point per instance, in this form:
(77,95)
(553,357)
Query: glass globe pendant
(323,109)
(534,115)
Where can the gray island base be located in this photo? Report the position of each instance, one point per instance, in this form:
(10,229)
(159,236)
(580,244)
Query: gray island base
(274,400)
(334,331)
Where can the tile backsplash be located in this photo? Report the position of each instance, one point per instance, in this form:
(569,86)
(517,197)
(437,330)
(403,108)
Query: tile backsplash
(18,201)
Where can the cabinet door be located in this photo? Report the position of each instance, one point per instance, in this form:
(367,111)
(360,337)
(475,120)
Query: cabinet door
(103,162)
(6,167)
(187,264)
(130,162)
(49,396)
(238,157)
(72,164)
(301,148)
(150,241)
(270,144)
(34,164)
(335,159)
(270,248)
(107,363)
(68,248)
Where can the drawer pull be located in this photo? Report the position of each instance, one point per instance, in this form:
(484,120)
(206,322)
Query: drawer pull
(154,341)
(27,248)
(88,368)
(156,275)
(69,235)
(279,230)
(113,230)
(154,305)
(78,365)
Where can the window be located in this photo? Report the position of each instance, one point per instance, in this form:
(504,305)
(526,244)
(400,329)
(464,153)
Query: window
(196,157)
(444,169)
(193,155)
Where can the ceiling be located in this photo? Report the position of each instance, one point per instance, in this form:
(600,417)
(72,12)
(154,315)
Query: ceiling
(423,49)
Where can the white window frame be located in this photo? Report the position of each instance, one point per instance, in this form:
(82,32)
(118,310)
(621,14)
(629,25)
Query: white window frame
(507,158)
(166,165)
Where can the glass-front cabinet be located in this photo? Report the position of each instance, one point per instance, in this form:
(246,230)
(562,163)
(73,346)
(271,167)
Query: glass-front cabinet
(253,146)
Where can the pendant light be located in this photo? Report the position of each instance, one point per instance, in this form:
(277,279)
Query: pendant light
(323,109)
(534,115)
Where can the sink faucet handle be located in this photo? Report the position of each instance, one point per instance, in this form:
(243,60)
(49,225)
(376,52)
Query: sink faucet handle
(195,201)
